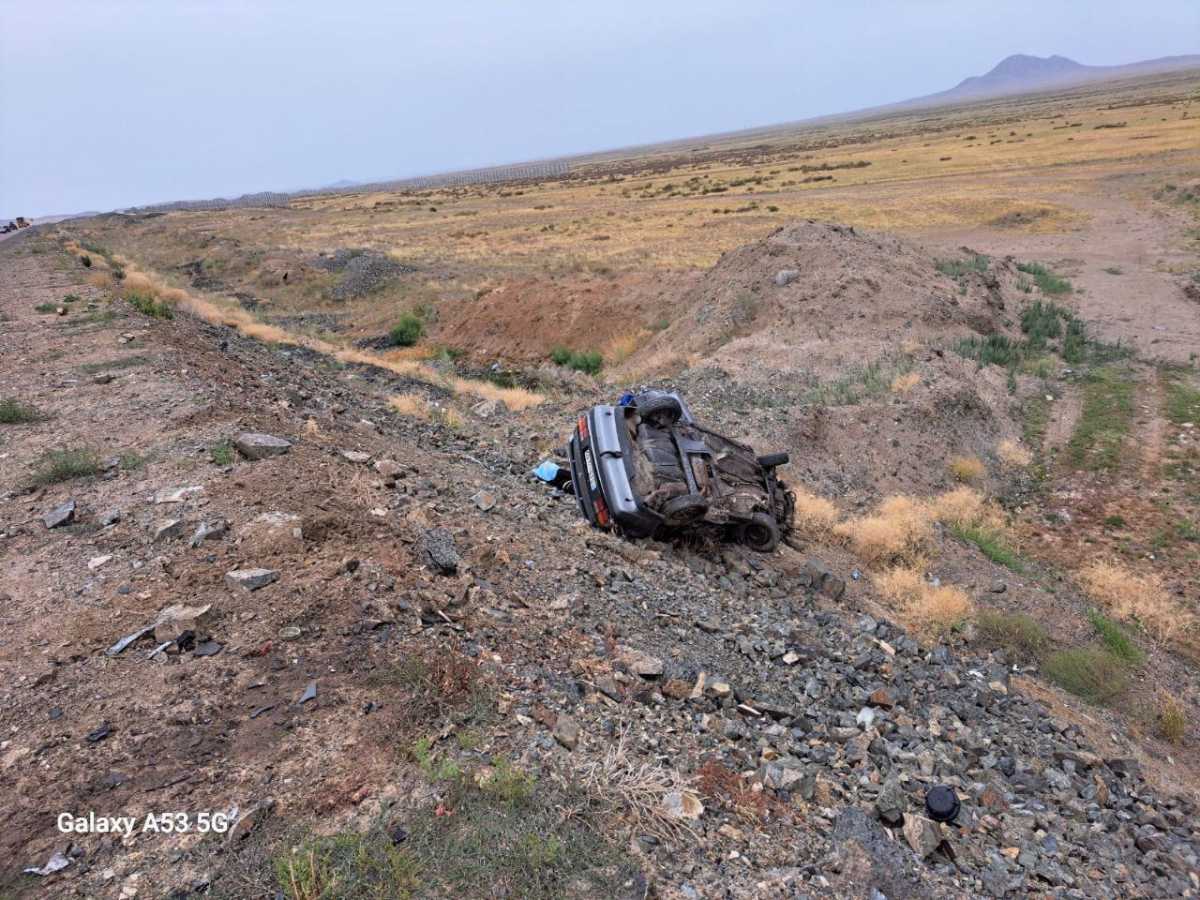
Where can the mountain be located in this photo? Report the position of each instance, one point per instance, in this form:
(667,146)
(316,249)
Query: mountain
(1022,74)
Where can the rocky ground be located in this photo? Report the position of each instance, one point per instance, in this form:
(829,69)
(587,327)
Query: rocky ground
(358,624)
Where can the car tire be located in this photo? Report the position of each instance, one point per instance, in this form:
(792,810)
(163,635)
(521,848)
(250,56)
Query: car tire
(771,460)
(761,533)
(685,509)
(665,408)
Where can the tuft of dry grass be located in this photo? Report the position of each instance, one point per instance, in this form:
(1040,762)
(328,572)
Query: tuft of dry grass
(1012,454)
(902,384)
(934,609)
(898,531)
(413,405)
(815,516)
(967,469)
(621,348)
(1139,598)
(1172,718)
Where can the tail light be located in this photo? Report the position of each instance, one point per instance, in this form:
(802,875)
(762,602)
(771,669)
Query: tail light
(601,508)
(583,429)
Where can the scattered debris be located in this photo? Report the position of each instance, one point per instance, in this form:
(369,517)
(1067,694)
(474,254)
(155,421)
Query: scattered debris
(310,693)
(437,547)
(177,495)
(208,531)
(99,733)
(56,863)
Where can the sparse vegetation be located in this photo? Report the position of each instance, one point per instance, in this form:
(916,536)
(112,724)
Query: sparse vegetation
(860,383)
(347,866)
(967,469)
(1049,283)
(46,308)
(815,516)
(1104,421)
(957,268)
(221,454)
(1011,453)
(14,412)
(1172,719)
(1022,636)
(935,609)
(589,361)
(898,531)
(991,542)
(1114,638)
(1092,673)
(149,305)
(66,465)
(407,331)
(1137,598)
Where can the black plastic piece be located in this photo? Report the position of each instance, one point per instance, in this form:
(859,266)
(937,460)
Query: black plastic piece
(942,803)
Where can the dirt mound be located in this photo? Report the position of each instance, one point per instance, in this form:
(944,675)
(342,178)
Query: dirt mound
(812,291)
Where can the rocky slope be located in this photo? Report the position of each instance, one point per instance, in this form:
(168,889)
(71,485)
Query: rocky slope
(730,724)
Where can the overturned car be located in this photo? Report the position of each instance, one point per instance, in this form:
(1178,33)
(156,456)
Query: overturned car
(645,467)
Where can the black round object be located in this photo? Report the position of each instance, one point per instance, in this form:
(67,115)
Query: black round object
(761,533)
(771,460)
(942,803)
(663,407)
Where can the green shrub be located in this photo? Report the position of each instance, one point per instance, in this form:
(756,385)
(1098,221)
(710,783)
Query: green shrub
(1105,419)
(589,361)
(149,305)
(221,454)
(46,308)
(347,866)
(407,331)
(65,465)
(1049,283)
(990,542)
(1115,639)
(1092,673)
(1021,635)
(992,350)
(14,412)
(956,268)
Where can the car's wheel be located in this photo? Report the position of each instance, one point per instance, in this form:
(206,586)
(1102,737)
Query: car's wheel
(664,407)
(685,509)
(761,533)
(771,460)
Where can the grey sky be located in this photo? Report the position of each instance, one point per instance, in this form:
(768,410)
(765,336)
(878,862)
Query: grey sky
(110,103)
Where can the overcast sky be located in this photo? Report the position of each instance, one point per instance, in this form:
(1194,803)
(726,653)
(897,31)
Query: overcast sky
(111,103)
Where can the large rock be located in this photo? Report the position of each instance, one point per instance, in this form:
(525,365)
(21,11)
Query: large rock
(682,805)
(892,802)
(640,663)
(251,579)
(254,445)
(869,862)
(922,835)
(566,732)
(60,515)
(176,621)
(437,548)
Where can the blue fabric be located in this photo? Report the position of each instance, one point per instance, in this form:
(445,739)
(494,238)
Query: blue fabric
(626,399)
(546,471)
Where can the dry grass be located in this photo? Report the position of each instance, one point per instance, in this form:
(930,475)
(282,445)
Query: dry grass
(412,405)
(1172,718)
(1137,598)
(964,507)
(931,609)
(902,384)
(631,791)
(721,784)
(1012,454)
(898,531)
(621,348)
(815,516)
(967,469)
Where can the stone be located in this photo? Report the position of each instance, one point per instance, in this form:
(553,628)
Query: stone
(251,579)
(247,821)
(923,836)
(892,802)
(882,698)
(109,517)
(677,689)
(437,549)
(208,531)
(254,445)
(566,732)
(784,277)
(97,561)
(682,805)
(389,469)
(177,620)
(484,500)
(357,457)
(639,663)
(60,515)
(177,495)
(168,530)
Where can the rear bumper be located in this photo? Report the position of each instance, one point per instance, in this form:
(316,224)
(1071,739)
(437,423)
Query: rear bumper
(599,458)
